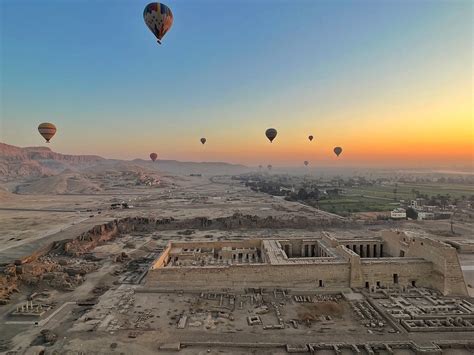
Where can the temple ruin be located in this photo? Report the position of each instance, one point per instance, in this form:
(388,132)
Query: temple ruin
(392,260)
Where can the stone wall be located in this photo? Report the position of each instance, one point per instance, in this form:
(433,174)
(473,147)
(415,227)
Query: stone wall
(252,275)
(447,274)
(382,273)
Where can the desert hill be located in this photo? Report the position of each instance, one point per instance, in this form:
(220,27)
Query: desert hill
(66,182)
(32,162)
(16,162)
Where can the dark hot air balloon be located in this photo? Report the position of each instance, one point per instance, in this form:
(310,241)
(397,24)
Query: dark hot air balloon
(306,163)
(203,140)
(47,130)
(271,133)
(269,166)
(310,138)
(158,18)
(153,156)
(338,151)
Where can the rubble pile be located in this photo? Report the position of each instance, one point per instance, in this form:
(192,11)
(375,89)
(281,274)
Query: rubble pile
(122,257)
(33,272)
(46,337)
(8,283)
(49,270)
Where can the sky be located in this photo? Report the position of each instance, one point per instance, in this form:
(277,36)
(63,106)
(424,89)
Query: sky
(391,82)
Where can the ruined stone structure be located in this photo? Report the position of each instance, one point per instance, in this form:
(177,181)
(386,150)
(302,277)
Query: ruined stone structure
(395,260)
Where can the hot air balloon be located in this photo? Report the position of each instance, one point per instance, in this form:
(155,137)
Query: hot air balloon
(47,130)
(158,18)
(269,166)
(153,156)
(271,133)
(203,140)
(310,138)
(260,167)
(338,151)
(306,163)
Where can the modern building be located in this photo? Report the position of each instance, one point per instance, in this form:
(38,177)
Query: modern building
(398,213)
(422,215)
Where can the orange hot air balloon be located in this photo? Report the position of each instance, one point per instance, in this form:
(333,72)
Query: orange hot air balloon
(310,138)
(47,130)
(271,133)
(153,156)
(203,140)
(338,151)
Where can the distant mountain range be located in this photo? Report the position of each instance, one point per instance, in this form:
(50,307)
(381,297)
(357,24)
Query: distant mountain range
(18,163)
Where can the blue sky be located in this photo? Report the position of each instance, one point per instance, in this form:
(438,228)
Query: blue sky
(226,70)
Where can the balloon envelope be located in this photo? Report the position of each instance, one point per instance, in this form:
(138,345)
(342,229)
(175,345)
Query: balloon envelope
(203,140)
(158,18)
(310,138)
(338,151)
(271,133)
(153,156)
(47,130)
(306,163)
(269,166)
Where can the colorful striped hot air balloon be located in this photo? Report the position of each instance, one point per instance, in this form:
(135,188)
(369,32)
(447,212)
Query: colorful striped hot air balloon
(158,18)
(47,130)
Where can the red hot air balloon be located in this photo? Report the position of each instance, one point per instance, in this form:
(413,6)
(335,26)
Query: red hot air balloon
(153,156)
(158,18)
(271,133)
(47,130)
(338,151)
(203,140)
(310,138)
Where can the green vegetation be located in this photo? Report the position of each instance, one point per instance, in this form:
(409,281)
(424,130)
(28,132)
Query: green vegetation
(344,205)
(379,198)
(410,191)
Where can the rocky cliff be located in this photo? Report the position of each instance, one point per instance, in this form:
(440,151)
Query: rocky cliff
(16,162)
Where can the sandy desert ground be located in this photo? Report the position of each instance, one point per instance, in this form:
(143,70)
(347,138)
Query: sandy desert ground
(103,313)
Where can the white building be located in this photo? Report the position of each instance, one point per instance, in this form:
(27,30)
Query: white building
(398,213)
(425,215)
